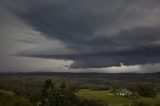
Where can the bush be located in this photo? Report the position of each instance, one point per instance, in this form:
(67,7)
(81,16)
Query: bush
(157,104)
(140,103)
(86,102)
(20,101)
(126,105)
(134,95)
(146,91)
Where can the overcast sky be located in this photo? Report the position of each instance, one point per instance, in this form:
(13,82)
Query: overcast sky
(80,35)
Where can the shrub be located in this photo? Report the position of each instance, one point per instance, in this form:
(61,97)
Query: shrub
(146,91)
(20,101)
(140,103)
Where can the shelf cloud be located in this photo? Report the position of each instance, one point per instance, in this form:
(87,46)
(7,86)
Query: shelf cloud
(90,33)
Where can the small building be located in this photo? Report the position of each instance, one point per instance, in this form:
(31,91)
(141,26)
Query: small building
(123,92)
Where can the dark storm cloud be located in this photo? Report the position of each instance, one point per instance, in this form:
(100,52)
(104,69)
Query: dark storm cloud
(99,33)
(97,60)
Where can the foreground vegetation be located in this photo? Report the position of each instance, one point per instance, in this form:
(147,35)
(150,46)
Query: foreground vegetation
(79,90)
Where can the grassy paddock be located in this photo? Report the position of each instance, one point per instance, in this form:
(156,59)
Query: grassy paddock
(112,100)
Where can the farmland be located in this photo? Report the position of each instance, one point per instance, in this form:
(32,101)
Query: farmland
(113,100)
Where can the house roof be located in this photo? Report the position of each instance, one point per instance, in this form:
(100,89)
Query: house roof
(124,91)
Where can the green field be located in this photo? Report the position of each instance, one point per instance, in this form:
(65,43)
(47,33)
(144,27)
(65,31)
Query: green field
(111,99)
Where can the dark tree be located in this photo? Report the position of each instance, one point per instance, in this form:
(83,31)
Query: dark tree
(140,103)
(47,98)
(146,91)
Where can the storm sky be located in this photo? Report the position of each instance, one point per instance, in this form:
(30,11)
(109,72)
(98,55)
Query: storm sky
(80,35)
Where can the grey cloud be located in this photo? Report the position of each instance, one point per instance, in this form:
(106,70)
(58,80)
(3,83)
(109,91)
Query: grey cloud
(96,33)
(97,60)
